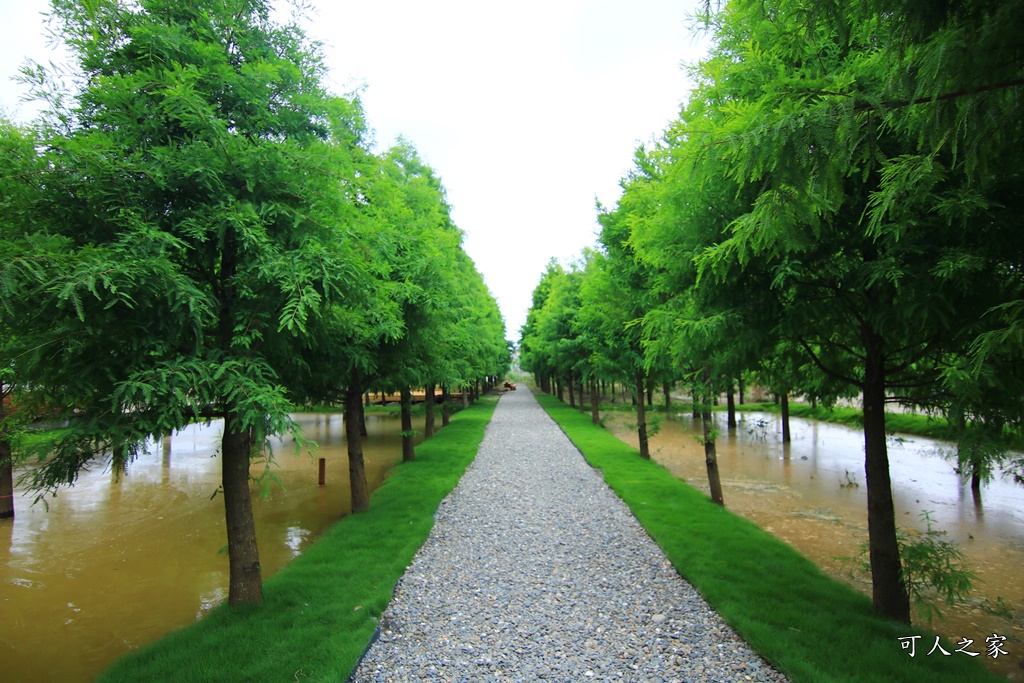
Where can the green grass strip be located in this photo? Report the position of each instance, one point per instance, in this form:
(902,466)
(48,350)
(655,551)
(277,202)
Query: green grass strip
(809,626)
(904,423)
(320,611)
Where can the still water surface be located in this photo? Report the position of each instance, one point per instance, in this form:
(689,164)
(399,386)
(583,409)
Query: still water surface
(811,494)
(114,565)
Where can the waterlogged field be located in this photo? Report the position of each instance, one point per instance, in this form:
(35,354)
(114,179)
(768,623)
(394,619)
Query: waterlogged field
(115,564)
(811,494)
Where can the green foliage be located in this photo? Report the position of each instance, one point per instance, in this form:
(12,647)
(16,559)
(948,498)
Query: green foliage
(198,229)
(933,570)
(835,209)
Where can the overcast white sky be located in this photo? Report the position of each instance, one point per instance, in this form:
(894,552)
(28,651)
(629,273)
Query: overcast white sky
(528,111)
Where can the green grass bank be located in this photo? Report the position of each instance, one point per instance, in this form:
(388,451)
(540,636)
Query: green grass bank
(809,626)
(905,423)
(320,611)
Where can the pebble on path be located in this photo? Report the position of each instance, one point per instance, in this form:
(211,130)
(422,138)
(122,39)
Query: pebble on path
(536,571)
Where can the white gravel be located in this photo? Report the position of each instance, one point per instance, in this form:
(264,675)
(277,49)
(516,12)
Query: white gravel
(536,571)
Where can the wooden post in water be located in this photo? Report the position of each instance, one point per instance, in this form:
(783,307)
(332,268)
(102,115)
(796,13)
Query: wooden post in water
(323,472)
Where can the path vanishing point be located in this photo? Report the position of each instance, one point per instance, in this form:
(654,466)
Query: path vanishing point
(536,571)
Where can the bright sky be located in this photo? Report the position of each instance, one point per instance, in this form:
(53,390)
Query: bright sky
(528,111)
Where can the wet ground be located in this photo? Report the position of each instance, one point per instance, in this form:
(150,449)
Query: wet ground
(115,564)
(811,494)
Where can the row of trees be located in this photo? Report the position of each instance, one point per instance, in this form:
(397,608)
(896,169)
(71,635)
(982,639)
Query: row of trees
(196,229)
(837,208)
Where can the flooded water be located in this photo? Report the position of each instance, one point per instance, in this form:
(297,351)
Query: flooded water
(114,565)
(811,494)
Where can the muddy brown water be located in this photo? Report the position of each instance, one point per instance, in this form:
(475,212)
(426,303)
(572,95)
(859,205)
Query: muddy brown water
(114,565)
(811,494)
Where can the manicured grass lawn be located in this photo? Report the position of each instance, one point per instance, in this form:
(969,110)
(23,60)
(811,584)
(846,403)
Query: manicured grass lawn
(809,626)
(319,612)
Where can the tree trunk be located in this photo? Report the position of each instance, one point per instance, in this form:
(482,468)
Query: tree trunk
(558,390)
(428,402)
(650,394)
(710,455)
(6,467)
(784,401)
(408,445)
(666,390)
(446,409)
(730,402)
(572,397)
(889,593)
(595,403)
(354,442)
(465,397)
(6,478)
(641,417)
(362,420)
(740,381)
(582,405)
(245,584)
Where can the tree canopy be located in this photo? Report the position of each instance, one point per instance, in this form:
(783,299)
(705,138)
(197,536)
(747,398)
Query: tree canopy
(833,209)
(197,229)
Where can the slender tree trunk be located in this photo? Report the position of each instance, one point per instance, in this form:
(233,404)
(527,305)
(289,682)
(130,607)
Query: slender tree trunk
(465,397)
(666,389)
(641,417)
(741,390)
(446,408)
(245,583)
(730,402)
(710,455)
(408,445)
(558,390)
(572,398)
(356,467)
(595,403)
(975,488)
(6,478)
(245,579)
(6,466)
(362,420)
(650,393)
(784,401)
(582,385)
(889,593)
(428,402)
(696,403)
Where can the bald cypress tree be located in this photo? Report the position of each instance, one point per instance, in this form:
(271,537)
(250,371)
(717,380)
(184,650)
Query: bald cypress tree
(197,190)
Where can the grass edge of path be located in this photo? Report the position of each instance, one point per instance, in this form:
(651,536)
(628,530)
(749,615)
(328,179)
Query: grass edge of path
(806,624)
(320,612)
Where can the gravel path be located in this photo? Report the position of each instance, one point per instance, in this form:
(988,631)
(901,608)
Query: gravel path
(535,570)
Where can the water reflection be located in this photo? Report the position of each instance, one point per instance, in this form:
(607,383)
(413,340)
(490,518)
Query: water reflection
(811,493)
(118,562)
